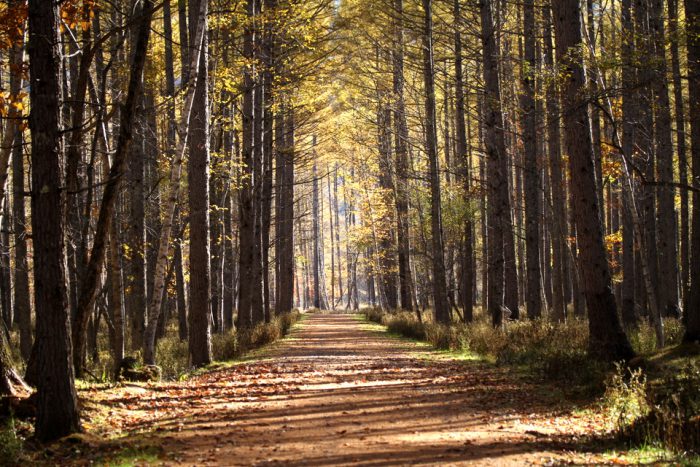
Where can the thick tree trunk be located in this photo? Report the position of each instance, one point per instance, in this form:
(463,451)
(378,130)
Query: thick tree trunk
(607,339)
(440,303)
(198,188)
(285,208)
(494,142)
(57,405)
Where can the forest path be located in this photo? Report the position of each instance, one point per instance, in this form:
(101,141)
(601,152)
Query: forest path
(338,392)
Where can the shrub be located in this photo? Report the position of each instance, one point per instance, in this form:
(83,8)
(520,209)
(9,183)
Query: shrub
(374,314)
(625,397)
(224,346)
(672,414)
(172,357)
(11,445)
(405,324)
(265,333)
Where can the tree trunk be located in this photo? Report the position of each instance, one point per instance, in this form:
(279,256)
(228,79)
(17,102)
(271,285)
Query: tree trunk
(160,269)
(607,339)
(93,271)
(57,405)
(668,299)
(629,112)
(533,207)
(401,151)
(246,207)
(560,257)
(692,15)
(22,305)
(682,149)
(466,275)
(442,308)
(198,187)
(494,142)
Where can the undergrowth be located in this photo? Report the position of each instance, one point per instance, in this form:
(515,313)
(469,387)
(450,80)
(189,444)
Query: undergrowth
(172,353)
(662,410)
(11,445)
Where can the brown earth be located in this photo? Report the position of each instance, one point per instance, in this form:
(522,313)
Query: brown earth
(337,392)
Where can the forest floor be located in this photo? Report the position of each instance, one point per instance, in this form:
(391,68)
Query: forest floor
(338,391)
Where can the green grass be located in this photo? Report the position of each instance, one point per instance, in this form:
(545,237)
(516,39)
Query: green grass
(650,454)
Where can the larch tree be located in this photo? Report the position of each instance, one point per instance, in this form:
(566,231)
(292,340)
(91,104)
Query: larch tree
(200,317)
(440,302)
(57,405)
(607,339)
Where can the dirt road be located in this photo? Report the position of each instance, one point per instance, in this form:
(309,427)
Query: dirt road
(338,393)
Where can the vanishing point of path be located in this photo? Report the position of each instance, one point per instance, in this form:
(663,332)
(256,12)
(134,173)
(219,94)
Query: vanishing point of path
(338,393)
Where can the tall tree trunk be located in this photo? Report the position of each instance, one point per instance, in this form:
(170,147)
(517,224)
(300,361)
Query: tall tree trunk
(629,112)
(198,185)
(57,405)
(682,149)
(494,142)
(160,268)
(401,151)
(442,308)
(93,271)
(560,257)
(466,275)
(667,246)
(607,339)
(533,207)
(315,214)
(246,289)
(22,305)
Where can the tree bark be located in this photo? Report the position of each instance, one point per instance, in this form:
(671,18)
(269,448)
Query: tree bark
(246,207)
(198,186)
(160,269)
(692,15)
(119,163)
(494,142)
(466,276)
(533,205)
(442,308)
(57,405)
(22,305)
(607,339)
